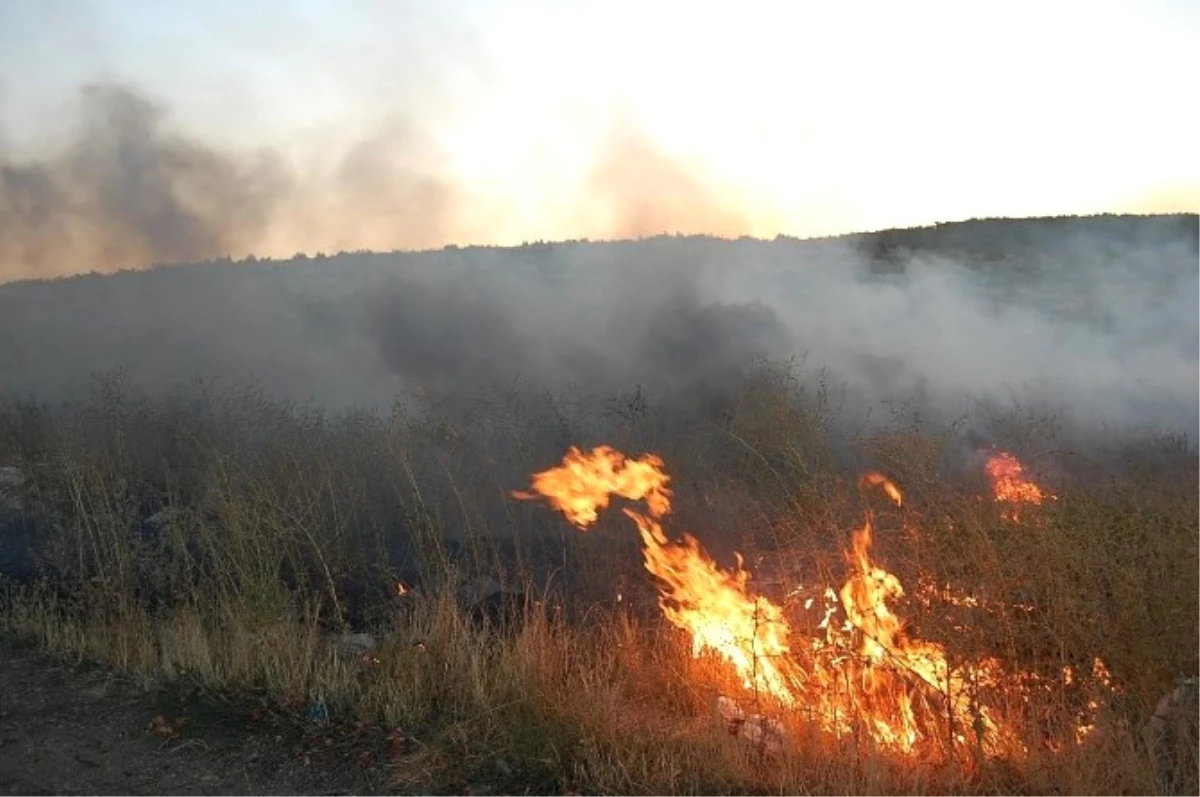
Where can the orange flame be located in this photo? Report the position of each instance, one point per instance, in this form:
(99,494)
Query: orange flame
(581,486)
(879,480)
(696,594)
(713,606)
(864,673)
(1009,484)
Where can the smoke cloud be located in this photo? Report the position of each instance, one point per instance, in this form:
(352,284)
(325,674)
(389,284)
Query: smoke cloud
(1095,317)
(636,190)
(131,191)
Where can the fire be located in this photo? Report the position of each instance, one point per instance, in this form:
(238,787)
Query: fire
(581,486)
(1009,484)
(879,480)
(887,652)
(696,595)
(713,605)
(865,672)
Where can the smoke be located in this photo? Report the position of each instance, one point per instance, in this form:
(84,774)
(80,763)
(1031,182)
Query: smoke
(384,168)
(129,190)
(1094,318)
(391,189)
(582,320)
(444,337)
(635,190)
(1097,322)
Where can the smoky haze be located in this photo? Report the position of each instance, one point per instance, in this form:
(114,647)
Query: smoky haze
(1095,318)
(129,188)
(128,192)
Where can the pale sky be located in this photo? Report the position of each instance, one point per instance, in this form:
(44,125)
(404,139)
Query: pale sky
(803,118)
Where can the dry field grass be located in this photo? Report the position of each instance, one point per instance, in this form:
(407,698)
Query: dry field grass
(225,541)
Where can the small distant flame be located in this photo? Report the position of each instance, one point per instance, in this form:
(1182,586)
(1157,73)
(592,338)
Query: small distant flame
(1009,484)
(1086,719)
(402,589)
(879,480)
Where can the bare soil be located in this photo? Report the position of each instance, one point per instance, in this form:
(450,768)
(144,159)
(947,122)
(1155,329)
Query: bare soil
(71,728)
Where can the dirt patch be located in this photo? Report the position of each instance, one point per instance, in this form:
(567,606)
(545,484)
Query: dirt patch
(74,729)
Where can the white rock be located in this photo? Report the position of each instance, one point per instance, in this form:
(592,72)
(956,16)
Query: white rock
(11,482)
(355,644)
(1174,726)
(763,732)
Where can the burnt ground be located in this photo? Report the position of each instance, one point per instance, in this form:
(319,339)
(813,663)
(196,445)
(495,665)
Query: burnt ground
(69,728)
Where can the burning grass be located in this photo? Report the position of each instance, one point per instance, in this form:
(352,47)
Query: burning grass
(862,674)
(892,628)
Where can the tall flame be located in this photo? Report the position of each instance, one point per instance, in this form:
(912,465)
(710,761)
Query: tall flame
(695,594)
(863,673)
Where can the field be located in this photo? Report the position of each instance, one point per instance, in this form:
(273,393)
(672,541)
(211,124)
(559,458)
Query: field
(224,543)
(551,398)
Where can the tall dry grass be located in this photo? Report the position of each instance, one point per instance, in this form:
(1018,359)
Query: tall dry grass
(218,536)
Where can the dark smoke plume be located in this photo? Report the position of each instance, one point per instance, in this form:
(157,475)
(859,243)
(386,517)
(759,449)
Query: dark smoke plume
(128,193)
(458,336)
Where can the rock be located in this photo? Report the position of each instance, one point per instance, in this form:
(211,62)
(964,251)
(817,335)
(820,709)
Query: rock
(168,517)
(490,603)
(1171,735)
(11,482)
(11,477)
(318,713)
(162,518)
(478,590)
(765,733)
(355,644)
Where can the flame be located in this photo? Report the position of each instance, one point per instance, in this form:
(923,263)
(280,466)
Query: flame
(887,652)
(879,480)
(713,606)
(581,486)
(695,594)
(1009,484)
(865,672)
(1085,722)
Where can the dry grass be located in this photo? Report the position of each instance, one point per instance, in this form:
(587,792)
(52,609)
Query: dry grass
(273,529)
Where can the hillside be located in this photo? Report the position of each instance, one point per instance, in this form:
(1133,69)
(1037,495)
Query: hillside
(1097,313)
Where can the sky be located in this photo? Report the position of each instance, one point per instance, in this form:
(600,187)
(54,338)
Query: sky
(524,120)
